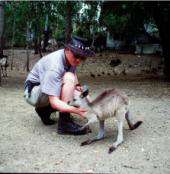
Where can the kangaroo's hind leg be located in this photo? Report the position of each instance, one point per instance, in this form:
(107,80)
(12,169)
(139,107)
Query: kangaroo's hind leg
(120,120)
(100,135)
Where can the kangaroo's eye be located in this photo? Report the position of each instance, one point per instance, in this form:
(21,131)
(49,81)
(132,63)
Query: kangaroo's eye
(74,99)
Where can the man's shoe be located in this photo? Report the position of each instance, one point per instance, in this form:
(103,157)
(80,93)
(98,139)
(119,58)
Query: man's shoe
(67,126)
(44,113)
(70,130)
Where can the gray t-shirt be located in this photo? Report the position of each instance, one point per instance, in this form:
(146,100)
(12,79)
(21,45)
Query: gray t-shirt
(49,71)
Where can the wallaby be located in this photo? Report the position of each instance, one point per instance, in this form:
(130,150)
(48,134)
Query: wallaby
(3,65)
(110,103)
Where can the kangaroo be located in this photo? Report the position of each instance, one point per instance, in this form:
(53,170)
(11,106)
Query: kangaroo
(110,103)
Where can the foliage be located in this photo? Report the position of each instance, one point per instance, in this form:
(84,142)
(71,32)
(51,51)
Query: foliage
(117,23)
(91,19)
(19,13)
(123,19)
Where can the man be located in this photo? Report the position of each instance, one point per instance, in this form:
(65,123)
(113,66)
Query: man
(52,82)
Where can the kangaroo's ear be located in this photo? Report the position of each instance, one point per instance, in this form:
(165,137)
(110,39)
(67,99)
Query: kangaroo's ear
(85,91)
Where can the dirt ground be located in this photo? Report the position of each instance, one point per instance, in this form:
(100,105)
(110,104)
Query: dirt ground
(26,145)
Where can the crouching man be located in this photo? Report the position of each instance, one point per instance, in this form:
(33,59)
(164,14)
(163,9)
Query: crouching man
(51,84)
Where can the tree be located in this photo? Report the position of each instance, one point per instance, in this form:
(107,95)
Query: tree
(69,29)
(60,15)
(87,19)
(125,19)
(1,27)
(1,31)
(160,12)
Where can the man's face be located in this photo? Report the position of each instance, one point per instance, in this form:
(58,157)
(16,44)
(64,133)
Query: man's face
(72,59)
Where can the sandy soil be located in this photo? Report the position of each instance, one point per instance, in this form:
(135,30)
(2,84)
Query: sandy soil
(26,145)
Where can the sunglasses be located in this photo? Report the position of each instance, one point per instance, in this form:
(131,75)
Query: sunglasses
(79,57)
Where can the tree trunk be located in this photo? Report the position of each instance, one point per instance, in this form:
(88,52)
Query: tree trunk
(162,19)
(93,37)
(36,39)
(37,42)
(69,21)
(27,47)
(12,43)
(28,58)
(1,33)
(46,34)
(0,77)
(164,33)
(1,27)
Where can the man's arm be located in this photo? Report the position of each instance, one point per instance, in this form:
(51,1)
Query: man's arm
(58,104)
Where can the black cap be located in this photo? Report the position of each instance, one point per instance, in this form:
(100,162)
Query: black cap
(80,46)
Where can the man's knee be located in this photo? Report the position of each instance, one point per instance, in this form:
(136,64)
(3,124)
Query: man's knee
(37,98)
(69,78)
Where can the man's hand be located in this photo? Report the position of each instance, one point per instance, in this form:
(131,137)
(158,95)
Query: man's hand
(58,104)
(81,112)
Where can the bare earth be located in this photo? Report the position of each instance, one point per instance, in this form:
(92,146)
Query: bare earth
(26,145)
